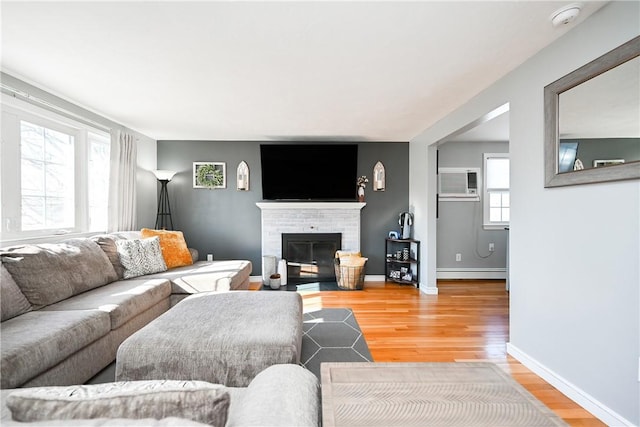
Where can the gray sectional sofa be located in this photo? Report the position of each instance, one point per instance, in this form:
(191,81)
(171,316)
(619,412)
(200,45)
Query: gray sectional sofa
(281,395)
(66,307)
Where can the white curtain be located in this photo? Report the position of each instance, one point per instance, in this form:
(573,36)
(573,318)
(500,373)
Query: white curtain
(122,182)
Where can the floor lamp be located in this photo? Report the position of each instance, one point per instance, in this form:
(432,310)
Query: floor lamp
(163,217)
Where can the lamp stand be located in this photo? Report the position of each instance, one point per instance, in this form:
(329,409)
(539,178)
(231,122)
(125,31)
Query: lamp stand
(163,217)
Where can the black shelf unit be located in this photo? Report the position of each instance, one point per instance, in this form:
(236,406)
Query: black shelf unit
(394,266)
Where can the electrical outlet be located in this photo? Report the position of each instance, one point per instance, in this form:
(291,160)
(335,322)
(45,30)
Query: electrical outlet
(492,247)
(458,257)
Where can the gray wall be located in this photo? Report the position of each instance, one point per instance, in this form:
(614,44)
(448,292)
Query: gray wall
(573,251)
(226,222)
(607,148)
(459,225)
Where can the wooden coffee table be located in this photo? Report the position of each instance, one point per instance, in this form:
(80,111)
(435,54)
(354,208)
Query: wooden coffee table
(427,394)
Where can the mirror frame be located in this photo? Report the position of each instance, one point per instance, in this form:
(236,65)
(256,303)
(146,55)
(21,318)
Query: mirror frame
(606,62)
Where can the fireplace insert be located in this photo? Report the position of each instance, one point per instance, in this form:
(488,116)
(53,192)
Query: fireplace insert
(310,256)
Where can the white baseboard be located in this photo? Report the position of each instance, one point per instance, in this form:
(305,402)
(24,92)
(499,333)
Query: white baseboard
(429,291)
(471,273)
(582,398)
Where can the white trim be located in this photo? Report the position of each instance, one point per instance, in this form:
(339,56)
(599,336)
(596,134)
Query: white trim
(471,273)
(429,290)
(311,205)
(573,392)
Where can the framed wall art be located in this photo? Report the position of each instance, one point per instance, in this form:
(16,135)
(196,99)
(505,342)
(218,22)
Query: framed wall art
(242,177)
(209,175)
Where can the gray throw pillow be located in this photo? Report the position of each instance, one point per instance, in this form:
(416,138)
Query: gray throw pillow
(107,243)
(194,400)
(141,256)
(51,272)
(12,300)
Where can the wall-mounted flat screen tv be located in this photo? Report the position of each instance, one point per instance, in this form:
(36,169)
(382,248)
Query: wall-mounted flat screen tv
(322,172)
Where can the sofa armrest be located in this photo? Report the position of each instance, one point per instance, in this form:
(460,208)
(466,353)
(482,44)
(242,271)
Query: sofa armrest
(194,254)
(281,395)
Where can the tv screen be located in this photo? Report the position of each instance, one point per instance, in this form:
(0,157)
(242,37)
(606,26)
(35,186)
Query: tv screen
(321,172)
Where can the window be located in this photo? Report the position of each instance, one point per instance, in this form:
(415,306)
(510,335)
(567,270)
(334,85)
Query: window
(46,178)
(55,174)
(496,191)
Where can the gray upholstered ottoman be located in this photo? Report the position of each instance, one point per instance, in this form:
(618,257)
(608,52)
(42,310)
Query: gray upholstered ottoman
(225,338)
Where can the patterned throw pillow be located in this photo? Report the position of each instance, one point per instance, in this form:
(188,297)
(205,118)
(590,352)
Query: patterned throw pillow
(193,400)
(140,257)
(174,247)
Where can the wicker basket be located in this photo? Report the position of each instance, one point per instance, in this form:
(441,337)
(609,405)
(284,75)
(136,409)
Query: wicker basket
(349,277)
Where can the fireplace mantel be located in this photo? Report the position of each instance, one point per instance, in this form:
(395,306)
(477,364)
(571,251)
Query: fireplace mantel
(311,205)
(309,217)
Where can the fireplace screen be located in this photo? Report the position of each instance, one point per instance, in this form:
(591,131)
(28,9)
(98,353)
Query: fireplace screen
(310,256)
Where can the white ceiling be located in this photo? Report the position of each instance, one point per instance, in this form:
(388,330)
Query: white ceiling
(357,71)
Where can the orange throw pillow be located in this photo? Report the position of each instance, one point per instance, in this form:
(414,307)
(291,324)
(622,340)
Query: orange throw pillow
(174,247)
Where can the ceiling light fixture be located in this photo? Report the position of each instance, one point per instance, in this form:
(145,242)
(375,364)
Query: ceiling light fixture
(565,14)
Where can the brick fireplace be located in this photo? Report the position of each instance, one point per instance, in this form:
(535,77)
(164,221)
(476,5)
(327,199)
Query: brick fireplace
(309,217)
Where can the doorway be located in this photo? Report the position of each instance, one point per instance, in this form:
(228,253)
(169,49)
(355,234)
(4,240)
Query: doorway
(473,204)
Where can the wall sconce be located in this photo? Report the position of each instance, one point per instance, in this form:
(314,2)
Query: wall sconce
(378,177)
(163,216)
(243,176)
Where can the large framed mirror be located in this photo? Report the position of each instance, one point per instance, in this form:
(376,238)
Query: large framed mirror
(592,121)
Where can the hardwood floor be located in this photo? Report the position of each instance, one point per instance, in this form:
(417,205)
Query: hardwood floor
(467,320)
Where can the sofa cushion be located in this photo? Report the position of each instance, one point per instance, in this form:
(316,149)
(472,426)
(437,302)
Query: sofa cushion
(123,300)
(301,407)
(48,272)
(38,340)
(174,248)
(194,400)
(107,243)
(195,255)
(205,276)
(12,300)
(140,256)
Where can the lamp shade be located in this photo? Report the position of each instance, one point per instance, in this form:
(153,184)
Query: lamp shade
(164,175)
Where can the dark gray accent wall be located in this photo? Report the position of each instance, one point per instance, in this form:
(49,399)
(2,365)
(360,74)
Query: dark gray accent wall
(459,224)
(226,222)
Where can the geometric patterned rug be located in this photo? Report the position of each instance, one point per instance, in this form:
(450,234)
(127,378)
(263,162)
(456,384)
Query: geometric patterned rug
(332,335)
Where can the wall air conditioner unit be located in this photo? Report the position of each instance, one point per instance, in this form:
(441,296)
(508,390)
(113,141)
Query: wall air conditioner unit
(459,184)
